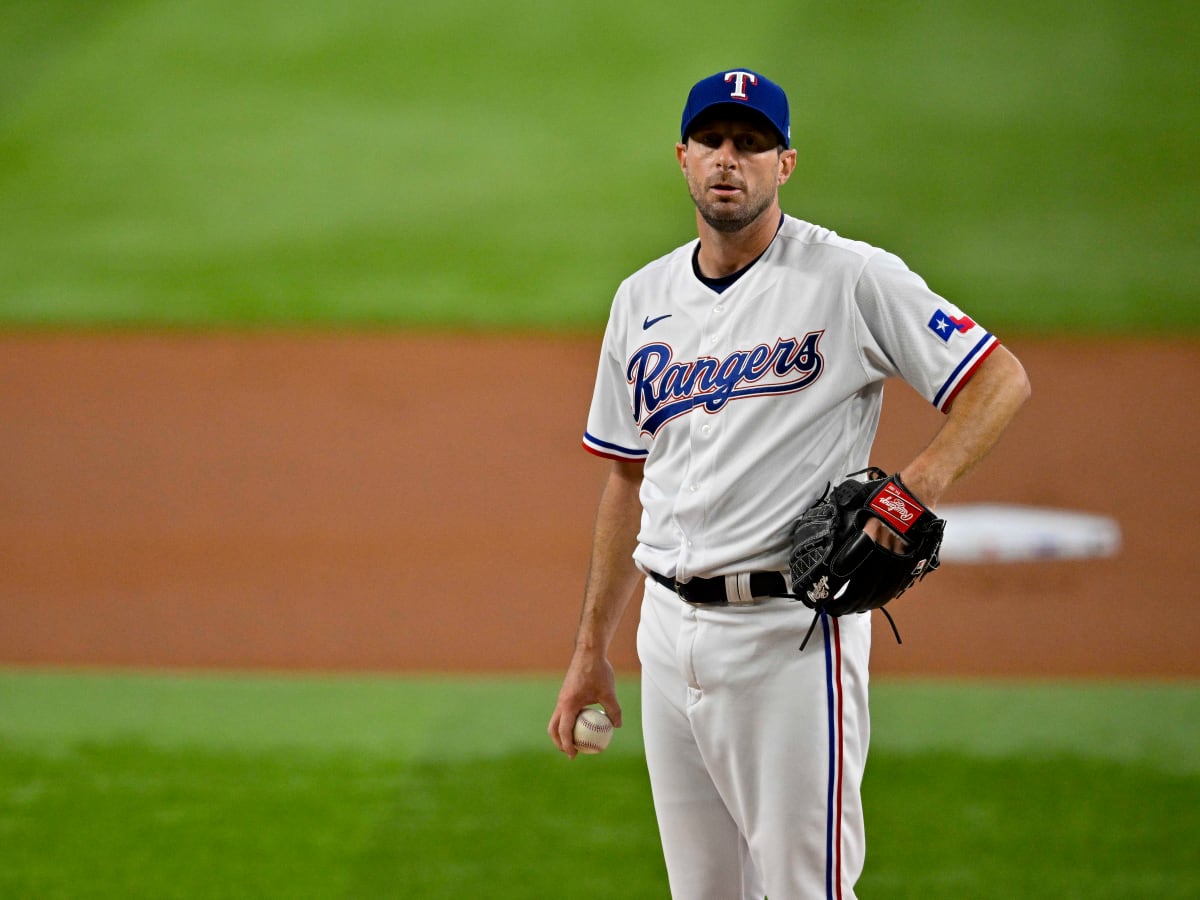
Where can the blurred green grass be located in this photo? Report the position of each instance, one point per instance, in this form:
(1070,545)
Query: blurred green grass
(188,785)
(502,166)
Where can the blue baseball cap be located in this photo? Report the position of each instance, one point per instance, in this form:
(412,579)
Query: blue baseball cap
(741,88)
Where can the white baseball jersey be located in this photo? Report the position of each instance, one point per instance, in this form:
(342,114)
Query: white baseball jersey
(745,404)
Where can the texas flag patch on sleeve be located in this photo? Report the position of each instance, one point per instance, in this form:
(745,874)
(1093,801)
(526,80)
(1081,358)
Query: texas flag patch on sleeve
(946,326)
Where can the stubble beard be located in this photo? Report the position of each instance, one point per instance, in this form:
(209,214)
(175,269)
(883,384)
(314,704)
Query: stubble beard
(729,217)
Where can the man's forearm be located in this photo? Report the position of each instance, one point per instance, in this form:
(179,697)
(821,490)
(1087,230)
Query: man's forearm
(980,414)
(612,575)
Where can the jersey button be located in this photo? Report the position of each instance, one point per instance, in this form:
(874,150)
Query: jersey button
(693,488)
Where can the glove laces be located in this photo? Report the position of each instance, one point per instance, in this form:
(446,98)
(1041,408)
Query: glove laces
(819,611)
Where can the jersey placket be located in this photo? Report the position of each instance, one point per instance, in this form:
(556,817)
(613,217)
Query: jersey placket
(701,477)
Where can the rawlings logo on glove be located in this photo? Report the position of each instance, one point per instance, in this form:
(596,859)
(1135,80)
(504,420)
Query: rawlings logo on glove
(838,569)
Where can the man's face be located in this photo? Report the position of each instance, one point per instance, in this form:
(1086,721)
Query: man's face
(734,167)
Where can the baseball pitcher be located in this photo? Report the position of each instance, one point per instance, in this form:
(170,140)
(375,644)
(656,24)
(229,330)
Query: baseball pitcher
(738,391)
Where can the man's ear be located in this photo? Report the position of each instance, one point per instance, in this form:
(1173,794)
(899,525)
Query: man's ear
(787,165)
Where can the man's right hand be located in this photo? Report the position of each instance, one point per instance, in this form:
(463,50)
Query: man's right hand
(590,679)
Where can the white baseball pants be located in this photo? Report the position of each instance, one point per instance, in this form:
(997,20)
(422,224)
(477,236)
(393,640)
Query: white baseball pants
(755,749)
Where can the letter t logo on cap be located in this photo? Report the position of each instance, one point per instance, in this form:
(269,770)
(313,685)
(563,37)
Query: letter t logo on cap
(739,80)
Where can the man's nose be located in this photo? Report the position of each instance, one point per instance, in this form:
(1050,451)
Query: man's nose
(727,153)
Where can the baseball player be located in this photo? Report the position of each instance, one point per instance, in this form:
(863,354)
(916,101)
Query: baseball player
(739,376)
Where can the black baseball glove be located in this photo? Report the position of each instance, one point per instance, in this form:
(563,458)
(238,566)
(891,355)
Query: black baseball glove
(838,569)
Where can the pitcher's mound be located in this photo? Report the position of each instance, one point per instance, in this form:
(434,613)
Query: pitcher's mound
(996,532)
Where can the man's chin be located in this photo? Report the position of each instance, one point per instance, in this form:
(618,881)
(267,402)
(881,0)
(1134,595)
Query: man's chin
(726,219)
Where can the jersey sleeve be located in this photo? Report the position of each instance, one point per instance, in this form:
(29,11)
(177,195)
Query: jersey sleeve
(612,431)
(916,334)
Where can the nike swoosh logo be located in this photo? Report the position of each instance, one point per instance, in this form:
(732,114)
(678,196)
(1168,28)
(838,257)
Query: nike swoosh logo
(649,322)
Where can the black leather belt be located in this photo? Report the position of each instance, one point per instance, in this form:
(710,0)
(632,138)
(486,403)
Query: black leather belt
(713,590)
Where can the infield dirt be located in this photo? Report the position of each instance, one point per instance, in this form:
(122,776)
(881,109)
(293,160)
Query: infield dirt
(422,503)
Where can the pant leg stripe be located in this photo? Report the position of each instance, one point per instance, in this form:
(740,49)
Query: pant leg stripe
(833,690)
(841,745)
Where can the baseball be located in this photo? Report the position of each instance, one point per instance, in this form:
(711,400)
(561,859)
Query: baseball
(593,730)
